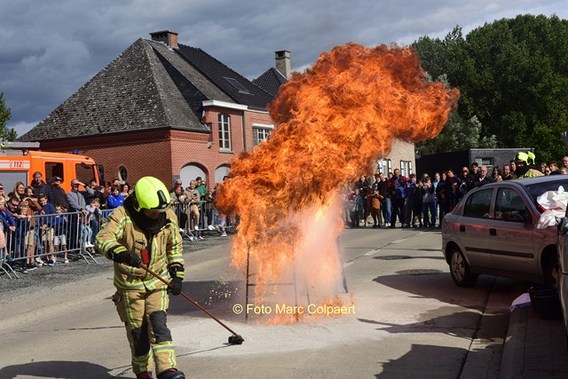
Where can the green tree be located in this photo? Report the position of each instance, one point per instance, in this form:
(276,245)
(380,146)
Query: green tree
(448,58)
(444,59)
(5,115)
(458,134)
(520,81)
(513,77)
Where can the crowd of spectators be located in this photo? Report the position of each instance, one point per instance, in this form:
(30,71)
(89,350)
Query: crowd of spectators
(422,202)
(41,223)
(195,208)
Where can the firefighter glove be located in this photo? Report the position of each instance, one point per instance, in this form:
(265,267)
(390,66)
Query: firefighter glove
(128,257)
(176,285)
(176,270)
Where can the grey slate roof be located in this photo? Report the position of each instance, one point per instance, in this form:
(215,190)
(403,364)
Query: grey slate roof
(247,94)
(270,81)
(147,86)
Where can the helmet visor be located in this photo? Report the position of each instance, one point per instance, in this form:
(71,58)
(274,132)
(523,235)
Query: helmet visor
(163,202)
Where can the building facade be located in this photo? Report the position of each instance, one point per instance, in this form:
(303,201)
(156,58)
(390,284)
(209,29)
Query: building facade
(169,110)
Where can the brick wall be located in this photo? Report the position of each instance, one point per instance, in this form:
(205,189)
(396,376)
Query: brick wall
(256,118)
(141,153)
(164,152)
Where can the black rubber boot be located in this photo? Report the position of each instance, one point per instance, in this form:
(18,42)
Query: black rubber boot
(171,373)
(145,375)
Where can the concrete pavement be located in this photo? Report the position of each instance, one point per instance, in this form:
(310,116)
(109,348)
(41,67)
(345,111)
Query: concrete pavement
(418,305)
(534,348)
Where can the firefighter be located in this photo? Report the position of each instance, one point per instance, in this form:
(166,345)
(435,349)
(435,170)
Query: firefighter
(523,169)
(145,230)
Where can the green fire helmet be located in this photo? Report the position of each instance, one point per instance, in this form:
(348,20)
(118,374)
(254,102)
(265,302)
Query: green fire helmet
(521,157)
(151,193)
(531,157)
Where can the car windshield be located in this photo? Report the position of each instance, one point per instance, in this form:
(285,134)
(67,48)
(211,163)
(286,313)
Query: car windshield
(538,189)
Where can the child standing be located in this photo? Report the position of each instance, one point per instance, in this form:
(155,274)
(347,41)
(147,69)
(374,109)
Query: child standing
(46,221)
(356,207)
(90,220)
(25,237)
(59,238)
(115,199)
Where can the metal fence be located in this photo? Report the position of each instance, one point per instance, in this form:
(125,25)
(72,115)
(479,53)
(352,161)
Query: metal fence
(201,218)
(46,239)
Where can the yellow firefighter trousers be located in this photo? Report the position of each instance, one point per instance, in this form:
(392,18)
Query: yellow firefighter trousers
(144,314)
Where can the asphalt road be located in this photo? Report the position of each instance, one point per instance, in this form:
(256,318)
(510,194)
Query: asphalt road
(408,320)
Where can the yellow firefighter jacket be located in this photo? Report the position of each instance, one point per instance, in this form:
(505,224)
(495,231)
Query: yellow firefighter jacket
(164,249)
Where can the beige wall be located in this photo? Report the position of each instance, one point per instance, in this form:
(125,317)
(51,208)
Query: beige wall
(401,150)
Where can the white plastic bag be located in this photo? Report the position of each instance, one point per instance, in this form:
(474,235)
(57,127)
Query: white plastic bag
(554,200)
(555,203)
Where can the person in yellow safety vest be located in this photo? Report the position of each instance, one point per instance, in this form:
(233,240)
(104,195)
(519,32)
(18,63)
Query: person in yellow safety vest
(523,170)
(145,230)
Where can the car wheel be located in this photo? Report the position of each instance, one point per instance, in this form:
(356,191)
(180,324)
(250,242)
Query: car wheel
(551,272)
(459,269)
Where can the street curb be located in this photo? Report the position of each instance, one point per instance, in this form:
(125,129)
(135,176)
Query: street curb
(513,358)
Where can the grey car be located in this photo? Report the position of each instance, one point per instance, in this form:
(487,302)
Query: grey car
(493,230)
(563,269)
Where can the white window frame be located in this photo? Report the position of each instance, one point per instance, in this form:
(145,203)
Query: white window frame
(405,168)
(384,166)
(257,130)
(224,125)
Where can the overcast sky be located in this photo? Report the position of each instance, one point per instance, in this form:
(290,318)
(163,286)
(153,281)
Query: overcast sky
(49,49)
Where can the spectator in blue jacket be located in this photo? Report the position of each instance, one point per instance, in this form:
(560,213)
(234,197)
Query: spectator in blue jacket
(115,199)
(6,216)
(8,226)
(38,185)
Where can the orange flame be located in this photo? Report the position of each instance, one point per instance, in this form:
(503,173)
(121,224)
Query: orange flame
(334,122)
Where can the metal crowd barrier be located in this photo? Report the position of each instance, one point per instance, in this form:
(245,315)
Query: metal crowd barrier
(44,238)
(210,221)
(37,243)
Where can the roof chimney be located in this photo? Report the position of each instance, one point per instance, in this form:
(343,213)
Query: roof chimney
(284,63)
(167,37)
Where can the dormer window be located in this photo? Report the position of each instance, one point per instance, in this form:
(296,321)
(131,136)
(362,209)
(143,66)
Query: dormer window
(235,83)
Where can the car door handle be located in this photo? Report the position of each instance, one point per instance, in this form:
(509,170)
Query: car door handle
(492,232)
(462,228)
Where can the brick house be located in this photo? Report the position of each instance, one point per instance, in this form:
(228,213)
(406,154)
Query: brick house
(170,110)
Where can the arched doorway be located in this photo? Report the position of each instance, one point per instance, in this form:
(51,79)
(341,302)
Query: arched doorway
(190,172)
(221,172)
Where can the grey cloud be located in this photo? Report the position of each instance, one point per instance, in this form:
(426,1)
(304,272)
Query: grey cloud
(51,48)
